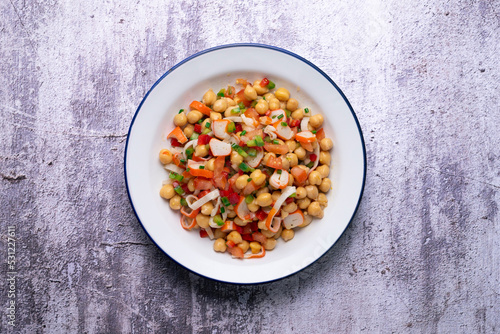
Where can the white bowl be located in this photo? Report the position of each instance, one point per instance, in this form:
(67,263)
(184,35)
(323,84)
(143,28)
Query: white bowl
(216,68)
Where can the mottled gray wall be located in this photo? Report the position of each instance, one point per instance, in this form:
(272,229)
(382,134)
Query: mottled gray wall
(422,254)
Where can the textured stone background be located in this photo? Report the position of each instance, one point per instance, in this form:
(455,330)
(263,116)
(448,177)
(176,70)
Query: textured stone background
(422,254)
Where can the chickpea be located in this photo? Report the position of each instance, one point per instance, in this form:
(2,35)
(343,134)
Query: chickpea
(165,156)
(290,180)
(264,199)
(282,94)
(167,191)
(300,153)
(250,93)
(326,144)
(230,102)
(270,244)
(262,190)
(290,207)
(235,237)
(269,96)
(314,178)
(229,112)
(194,116)
(191,186)
(322,200)
(316,121)
(175,202)
(312,191)
(292,145)
(204,123)
(188,130)
(282,105)
(236,159)
(215,116)
(202,220)
(274,104)
(292,104)
(300,193)
(284,162)
(262,225)
(220,105)
(253,207)
(207,208)
(276,194)
(255,247)
(267,233)
(231,214)
(298,114)
(209,97)
(303,203)
(240,222)
(278,234)
(266,157)
(180,119)
(219,234)
(323,170)
(259,89)
(324,158)
(307,220)
(284,214)
(287,234)
(325,185)
(262,107)
(315,210)
(220,245)
(258,177)
(244,245)
(241,182)
(201,150)
(292,159)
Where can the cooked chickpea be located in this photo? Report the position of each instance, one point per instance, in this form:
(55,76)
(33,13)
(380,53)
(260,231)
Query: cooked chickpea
(230,102)
(292,145)
(275,195)
(175,202)
(292,104)
(270,244)
(316,121)
(253,207)
(274,104)
(241,181)
(287,234)
(282,94)
(215,116)
(188,130)
(307,220)
(259,89)
(258,177)
(209,97)
(324,158)
(219,234)
(314,178)
(255,247)
(269,96)
(194,116)
(267,156)
(262,225)
(220,245)
(290,207)
(324,170)
(165,156)
(220,105)
(207,208)
(325,185)
(236,159)
(240,222)
(326,144)
(315,210)
(301,193)
(191,186)
(235,237)
(283,105)
(204,123)
(202,220)
(322,200)
(303,203)
(284,162)
(229,111)
(210,165)
(300,152)
(264,199)
(180,119)
(267,233)
(262,190)
(244,245)
(250,93)
(262,107)
(290,180)
(231,214)
(298,114)
(312,191)
(201,150)
(167,191)
(278,234)
(292,158)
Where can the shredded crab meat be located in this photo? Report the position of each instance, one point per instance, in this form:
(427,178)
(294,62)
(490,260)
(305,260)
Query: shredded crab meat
(271,131)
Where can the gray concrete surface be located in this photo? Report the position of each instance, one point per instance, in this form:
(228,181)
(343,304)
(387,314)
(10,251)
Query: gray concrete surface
(422,254)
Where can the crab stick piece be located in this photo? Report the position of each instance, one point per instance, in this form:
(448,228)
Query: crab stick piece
(283,130)
(294,219)
(279,179)
(219,127)
(178,134)
(187,223)
(200,107)
(219,148)
(305,137)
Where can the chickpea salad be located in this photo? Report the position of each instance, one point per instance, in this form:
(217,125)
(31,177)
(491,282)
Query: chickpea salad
(247,166)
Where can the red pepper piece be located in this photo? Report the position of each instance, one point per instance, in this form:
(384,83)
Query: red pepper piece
(238,127)
(313,157)
(197,128)
(234,198)
(203,233)
(247,237)
(175,142)
(264,82)
(204,139)
(261,214)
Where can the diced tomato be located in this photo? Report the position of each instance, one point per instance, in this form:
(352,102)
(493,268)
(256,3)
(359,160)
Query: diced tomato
(246,230)
(175,184)
(225,193)
(230,243)
(219,180)
(251,112)
(313,157)
(237,252)
(197,128)
(204,139)
(238,229)
(264,82)
(289,200)
(268,113)
(243,99)
(202,183)
(238,127)
(240,172)
(247,237)
(203,193)
(276,148)
(234,198)
(261,215)
(254,226)
(274,162)
(203,233)
(320,134)
(294,123)
(175,142)
(299,175)
(259,237)
(185,188)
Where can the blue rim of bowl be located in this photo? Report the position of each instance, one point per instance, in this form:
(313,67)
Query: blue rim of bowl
(265,46)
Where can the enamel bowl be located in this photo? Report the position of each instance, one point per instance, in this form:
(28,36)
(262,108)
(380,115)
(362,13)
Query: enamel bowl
(216,68)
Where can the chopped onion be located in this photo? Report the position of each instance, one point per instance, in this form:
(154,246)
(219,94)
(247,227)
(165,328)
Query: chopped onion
(316,151)
(166,181)
(289,190)
(209,232)
(216,208)
(173,168)
(304,124)
(205,199)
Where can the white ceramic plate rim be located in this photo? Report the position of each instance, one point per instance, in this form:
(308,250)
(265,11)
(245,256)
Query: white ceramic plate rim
(140,160)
